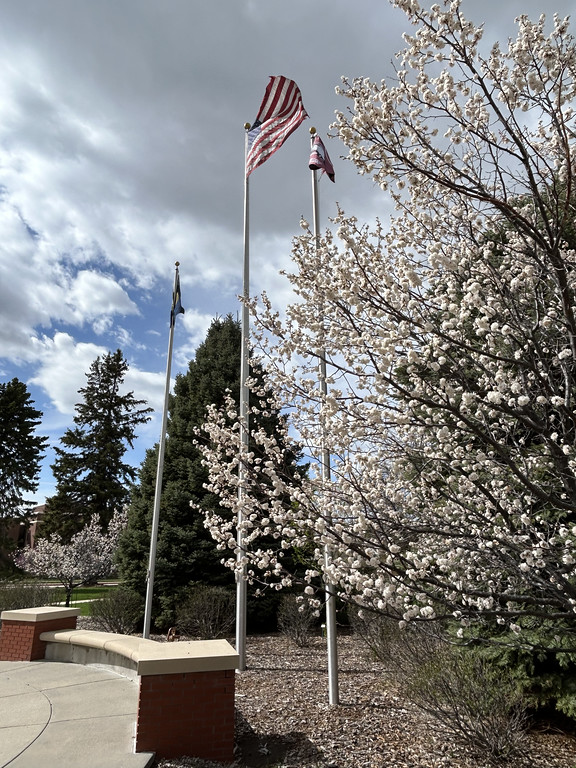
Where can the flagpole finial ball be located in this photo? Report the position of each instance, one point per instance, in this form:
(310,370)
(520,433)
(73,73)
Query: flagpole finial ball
(246,126)
(312,130)
(177,263)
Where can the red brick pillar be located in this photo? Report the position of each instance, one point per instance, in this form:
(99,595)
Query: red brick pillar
(21,630)
(190,713)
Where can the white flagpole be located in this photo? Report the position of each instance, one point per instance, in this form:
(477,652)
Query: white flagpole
(159,473)
(329,590)
(241,584)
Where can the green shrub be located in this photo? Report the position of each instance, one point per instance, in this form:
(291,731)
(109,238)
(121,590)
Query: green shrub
(18,594)
(120,611)
(540,657)
(262,610)
(206,612)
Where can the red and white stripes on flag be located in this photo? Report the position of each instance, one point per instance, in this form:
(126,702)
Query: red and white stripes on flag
(320,159)
(281,112)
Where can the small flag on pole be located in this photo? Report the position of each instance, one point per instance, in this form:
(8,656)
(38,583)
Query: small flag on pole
(320,159)
(281,112)
(177,307)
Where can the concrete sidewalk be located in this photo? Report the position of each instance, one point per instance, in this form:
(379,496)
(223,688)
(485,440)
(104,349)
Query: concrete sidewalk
(59,715)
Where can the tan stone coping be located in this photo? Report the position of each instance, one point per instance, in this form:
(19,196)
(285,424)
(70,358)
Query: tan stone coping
(46,613)
(151,657)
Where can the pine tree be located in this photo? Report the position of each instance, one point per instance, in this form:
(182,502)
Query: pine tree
(186,552)
(91,474)
(21,450)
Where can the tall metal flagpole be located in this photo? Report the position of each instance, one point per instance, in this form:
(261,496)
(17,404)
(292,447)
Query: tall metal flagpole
(159,472)
(241,584)
(280,113)
(329,590)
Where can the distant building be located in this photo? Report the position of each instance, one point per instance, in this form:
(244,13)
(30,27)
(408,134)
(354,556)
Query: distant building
(16,534)
(35,520)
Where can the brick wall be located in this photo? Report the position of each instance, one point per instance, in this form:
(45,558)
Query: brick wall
(187,714)
(20,640)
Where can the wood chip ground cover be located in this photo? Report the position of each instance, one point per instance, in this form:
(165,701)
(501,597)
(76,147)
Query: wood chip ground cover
(284,719)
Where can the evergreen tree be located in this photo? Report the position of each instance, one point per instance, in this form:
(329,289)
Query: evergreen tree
(21,450)
(186,552)
(91,475)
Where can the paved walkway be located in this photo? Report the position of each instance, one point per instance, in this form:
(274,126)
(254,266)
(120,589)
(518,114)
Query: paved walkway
(58,715)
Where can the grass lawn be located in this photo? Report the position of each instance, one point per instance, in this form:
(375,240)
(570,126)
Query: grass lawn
(90,593)
(82,594)
(26,593)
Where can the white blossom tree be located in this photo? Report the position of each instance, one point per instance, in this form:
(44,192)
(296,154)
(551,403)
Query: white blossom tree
(450,335)
(88,556)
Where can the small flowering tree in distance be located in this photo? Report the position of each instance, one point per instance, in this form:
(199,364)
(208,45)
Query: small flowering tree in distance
(88,556)
(450,335)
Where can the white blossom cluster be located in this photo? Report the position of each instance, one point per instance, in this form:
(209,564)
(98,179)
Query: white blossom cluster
(450,336)
(88,556)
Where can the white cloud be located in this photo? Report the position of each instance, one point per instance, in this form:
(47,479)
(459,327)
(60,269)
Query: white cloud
(122,148)
(93,294)
(186,342)
(64,364)
(62,367)
(146,386)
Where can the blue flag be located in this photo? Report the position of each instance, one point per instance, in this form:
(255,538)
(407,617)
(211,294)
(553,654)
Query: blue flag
(177,307)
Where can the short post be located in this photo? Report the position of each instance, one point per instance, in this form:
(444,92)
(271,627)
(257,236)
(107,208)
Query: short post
(187,713)
(21,630)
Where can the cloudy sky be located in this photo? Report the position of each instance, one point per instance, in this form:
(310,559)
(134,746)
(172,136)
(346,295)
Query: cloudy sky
(122,151)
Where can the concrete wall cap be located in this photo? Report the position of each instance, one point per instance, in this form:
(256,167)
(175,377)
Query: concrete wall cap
(151,657)
(190,656)
(79,637)
(34,615)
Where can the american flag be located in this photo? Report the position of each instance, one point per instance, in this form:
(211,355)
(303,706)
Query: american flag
(320,159)
(281,112)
